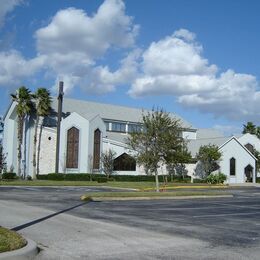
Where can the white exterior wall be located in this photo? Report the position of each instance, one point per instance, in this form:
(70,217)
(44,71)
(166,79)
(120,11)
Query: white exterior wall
(189,135)
(48,150)
(74,120)
(86,140)
(10,138)
(243,158)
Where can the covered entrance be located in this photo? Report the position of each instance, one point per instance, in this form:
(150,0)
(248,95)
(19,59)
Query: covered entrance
(249,171)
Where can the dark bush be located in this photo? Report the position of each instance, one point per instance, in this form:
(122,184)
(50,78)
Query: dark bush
(9,176)
(95,177)
(258,179)
(199,181)
(29,178)
(101,179)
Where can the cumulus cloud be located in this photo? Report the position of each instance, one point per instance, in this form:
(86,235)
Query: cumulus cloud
(175,66)
(14,68)
(7,6)
(71,48)
(74,41)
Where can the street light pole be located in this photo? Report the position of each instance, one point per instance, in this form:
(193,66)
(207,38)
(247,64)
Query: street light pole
(60,99)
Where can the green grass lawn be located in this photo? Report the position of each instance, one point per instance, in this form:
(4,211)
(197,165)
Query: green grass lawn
(134,185)
(96,195)
(10,240)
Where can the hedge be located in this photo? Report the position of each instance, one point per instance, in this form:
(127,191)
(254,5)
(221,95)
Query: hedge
(96,177)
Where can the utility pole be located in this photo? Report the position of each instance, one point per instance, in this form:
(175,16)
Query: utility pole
(60,99)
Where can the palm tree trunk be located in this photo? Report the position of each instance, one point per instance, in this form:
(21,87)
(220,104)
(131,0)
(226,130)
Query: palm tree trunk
(20,141)
(34,146)
(39,150)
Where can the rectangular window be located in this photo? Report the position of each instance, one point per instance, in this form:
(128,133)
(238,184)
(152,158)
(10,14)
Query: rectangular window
(107,125)
(134,128)
(119,127)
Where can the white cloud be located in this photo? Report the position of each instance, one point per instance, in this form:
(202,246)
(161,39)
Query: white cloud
(14,68)
(7,6)
(72,45)
(74,41)
(175,66)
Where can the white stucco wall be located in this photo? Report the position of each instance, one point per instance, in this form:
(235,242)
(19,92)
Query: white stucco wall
(47,151)
(10,137)
(74,120)
(189,135)
(243,158)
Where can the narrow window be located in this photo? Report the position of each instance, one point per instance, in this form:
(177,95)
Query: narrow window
(96,152)
(232,166)
(124,162)
(72,148)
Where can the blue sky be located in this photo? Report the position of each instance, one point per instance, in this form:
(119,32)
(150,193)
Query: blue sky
(199,59)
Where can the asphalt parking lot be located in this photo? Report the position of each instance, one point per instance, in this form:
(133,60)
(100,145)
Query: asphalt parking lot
(229,227)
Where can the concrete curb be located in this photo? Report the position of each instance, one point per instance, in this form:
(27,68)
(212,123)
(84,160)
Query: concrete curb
(160,198)
(27,252)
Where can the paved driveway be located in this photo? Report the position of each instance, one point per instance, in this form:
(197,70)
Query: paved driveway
(226,228)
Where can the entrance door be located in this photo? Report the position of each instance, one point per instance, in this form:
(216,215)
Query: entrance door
(249,173)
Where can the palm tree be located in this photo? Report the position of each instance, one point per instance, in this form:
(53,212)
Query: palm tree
(249,128)
(23,98)
(42,100)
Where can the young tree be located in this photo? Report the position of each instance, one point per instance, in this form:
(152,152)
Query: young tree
(249,128)
(107,159)
(42,101)
(176,159)
(160,137)
(23,98)
(208,157)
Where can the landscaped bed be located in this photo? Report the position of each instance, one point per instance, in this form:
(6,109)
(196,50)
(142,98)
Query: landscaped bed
(10,240)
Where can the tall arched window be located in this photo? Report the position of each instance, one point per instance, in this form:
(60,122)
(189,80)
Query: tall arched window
(96,152)
(232,163)
(72,148)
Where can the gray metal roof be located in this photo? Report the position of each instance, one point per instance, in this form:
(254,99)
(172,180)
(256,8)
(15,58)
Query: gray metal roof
(208,133)
(194,145)
(118,137)
(107,111)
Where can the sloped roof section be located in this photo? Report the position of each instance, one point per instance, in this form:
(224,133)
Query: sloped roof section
(107,111)
(194,145)
(208,133)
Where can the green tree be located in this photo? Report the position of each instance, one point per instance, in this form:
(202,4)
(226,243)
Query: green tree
(42,102)
(257,156)
(176,159)
(107,159)
(208,157)
(249,128)
(159,139)
(23,99)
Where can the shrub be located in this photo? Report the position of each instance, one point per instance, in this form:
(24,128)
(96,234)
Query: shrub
(114,177)
(101,179)
(9,176)
(29,178)
(216,178)
(199,181)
